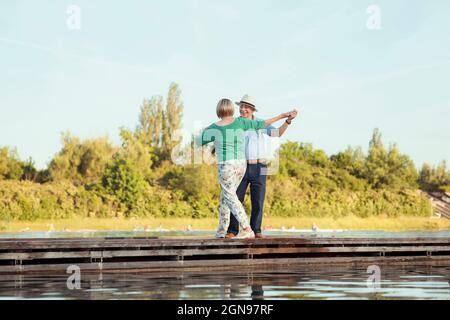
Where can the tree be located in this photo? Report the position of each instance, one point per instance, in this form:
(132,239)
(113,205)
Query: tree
(158,114)
(4,160)
(441,175)
(401,169)
(375,142)
(150,122)
(388,168)
(29,171)
(11,168)
(138,152)
(158,126)
(434,178)
(81,162)
(122,180)
(172,121)
(344,160)
(146,123)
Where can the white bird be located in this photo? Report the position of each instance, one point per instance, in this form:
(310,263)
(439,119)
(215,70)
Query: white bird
(161,229)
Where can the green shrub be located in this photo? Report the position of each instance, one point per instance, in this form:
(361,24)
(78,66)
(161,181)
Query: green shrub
(124,182)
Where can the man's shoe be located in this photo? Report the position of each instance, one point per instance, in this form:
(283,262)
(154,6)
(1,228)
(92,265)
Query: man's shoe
(259,236)
(230,235)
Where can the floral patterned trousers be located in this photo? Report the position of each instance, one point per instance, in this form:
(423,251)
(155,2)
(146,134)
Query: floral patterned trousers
(230,175)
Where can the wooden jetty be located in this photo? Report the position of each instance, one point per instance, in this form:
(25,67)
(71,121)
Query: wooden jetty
(94,255)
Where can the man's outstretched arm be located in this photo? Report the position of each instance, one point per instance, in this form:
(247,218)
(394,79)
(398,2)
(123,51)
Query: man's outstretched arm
(281,130)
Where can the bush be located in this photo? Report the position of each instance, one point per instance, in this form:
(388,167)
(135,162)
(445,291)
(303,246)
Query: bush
(81,162)
(86,180)
(24,200)
(124,182)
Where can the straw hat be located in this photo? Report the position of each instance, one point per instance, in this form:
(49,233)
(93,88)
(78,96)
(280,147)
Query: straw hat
(249,100)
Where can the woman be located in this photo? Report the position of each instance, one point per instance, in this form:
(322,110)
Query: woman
(228,137)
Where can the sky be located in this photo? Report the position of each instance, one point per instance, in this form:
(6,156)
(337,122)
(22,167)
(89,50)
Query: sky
(320,56)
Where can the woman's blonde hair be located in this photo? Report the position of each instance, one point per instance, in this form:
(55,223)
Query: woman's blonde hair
(225,108)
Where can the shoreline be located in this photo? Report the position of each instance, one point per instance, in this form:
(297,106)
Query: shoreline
(349,223)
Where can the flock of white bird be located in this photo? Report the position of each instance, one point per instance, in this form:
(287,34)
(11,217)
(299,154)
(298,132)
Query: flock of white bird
(188,228)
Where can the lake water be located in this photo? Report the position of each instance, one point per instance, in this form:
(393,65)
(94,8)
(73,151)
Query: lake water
(411,282)
(322,283)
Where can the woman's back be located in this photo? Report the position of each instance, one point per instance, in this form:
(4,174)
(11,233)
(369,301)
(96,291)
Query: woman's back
(228,137)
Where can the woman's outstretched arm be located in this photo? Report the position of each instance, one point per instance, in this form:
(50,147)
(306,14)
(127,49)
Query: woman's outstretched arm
(270,121)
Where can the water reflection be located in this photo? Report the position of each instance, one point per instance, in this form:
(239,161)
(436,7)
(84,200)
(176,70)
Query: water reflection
(318,283)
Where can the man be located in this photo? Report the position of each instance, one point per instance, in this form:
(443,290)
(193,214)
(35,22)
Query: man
(256,163)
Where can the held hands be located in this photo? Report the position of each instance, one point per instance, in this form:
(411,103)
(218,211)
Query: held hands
(293,114)
(285,115)
(290,115)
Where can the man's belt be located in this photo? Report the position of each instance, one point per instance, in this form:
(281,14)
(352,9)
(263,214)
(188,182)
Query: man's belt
(260,161)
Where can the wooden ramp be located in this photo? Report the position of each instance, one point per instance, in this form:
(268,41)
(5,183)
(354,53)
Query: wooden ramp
(440,202)
(95,255)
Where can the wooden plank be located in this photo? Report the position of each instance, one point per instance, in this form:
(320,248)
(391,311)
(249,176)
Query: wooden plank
(87,244)
(43,255)
(191,241)
(223,251)
(118,253)
(212,252)
(170,266)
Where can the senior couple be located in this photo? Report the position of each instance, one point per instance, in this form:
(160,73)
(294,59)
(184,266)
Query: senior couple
(241,162)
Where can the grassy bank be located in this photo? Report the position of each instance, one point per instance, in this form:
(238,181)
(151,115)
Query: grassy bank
(348,223)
